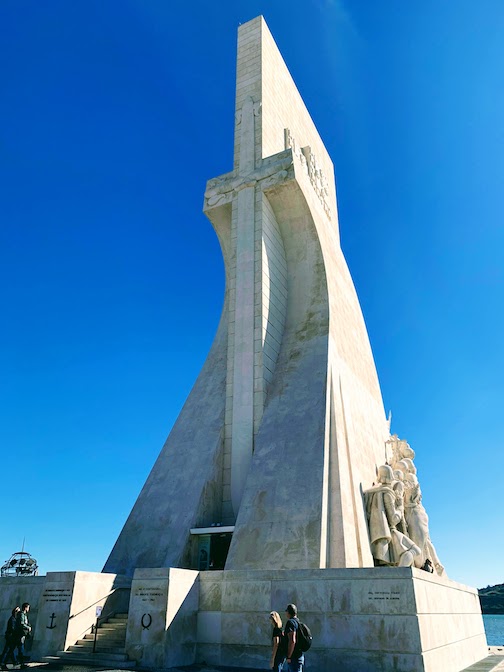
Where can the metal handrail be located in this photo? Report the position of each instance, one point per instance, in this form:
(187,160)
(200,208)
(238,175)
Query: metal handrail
(97,625)
(99,600)
(94,626)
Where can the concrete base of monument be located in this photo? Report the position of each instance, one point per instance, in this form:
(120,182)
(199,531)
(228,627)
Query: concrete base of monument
(63,606)
(365,620)
(376,619)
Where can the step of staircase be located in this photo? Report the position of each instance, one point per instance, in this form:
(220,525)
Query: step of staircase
(109,650)
(65,658)
(87,645)
(117,654)
(109,635)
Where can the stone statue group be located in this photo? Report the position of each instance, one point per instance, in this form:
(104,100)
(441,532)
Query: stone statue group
(397,521)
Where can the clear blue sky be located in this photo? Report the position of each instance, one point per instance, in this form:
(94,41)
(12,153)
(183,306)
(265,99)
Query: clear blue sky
(112,117)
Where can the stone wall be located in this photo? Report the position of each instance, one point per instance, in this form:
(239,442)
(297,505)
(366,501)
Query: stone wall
(362,620)
(62,606)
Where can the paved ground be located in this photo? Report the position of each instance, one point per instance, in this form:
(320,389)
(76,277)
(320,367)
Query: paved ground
(82,668)
(494,663)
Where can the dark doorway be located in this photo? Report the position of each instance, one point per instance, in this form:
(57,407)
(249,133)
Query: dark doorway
(213,550)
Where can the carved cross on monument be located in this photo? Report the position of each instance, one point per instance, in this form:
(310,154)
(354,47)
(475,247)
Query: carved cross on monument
(257,274)
(243,189)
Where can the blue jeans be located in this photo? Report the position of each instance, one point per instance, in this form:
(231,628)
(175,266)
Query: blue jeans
(296,664)
(279,664)
(20,648)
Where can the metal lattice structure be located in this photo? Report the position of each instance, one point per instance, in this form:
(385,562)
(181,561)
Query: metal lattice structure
(20,564)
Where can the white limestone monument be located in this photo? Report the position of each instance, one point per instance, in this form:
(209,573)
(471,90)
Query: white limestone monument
(280,473)
(288,403)
(280,481)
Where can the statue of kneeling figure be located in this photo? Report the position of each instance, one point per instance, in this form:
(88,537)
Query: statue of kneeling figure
(385,514)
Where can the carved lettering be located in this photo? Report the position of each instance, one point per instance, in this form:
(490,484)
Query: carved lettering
(147,594)
(57,594)
(383,595)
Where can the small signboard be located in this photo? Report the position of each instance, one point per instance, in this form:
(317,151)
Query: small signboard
(99,611)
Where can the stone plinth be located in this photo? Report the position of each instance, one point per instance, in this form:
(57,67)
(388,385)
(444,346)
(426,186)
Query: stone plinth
(54,610)
(362,620)
(162,617)
(89,590)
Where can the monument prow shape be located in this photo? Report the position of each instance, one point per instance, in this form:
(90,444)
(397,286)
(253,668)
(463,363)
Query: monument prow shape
(285,425)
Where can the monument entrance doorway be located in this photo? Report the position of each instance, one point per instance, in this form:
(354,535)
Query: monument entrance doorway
(212,547)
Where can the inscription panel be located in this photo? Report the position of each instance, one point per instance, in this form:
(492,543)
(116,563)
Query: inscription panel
(384,595)
(57,594)
(147,594)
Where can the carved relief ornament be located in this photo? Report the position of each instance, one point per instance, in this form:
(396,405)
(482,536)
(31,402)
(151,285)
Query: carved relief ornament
(311,167)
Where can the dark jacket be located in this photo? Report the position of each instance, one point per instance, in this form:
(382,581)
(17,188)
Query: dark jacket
(10,630)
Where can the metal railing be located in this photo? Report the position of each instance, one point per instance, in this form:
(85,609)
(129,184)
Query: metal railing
(94,627)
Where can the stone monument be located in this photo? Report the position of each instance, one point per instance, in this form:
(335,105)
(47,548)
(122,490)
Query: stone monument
(280,474)
(288,403)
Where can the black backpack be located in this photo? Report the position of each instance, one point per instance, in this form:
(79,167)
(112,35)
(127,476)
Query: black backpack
(304,637)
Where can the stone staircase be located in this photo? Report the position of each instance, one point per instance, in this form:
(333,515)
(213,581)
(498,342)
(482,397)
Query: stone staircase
(110,647)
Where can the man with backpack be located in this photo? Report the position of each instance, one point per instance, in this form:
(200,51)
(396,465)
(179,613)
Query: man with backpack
(298,640)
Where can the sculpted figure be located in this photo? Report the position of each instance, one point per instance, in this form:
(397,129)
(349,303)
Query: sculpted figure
(397,449)
(417,521)
(389,545)
(398,488)
(406,466)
